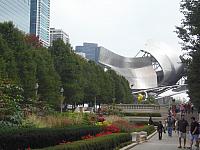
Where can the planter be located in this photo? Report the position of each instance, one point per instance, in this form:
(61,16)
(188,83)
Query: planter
(135,136)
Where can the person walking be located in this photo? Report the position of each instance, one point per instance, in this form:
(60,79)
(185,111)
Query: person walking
(194,132)
(182,128)
(169,125)
(160,129)
(151,121)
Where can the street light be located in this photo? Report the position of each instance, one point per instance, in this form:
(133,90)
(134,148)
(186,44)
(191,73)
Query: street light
(36,89)
(95,103)
(61,99)
(113,104)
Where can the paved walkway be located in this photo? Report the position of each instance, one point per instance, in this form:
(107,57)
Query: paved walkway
(167,143)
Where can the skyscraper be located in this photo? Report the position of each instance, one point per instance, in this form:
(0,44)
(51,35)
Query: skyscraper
(39,20)
(58,34)
(16,11)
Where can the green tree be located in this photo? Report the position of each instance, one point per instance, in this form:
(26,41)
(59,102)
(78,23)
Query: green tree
(10,103)
(68,66)
(189,33)
(24,61)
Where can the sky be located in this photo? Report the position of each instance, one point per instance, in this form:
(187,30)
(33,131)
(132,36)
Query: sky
(122,26)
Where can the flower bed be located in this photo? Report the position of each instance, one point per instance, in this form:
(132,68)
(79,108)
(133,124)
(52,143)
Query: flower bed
(108,142)
(39,138)
(107,130)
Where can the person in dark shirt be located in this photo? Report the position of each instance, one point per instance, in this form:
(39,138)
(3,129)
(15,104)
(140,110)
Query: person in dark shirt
(160,129)
(194,132)
(182,126)
(151,121)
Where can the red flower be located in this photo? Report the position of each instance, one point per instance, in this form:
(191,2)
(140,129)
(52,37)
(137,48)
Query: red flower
(112,129)
(87,137)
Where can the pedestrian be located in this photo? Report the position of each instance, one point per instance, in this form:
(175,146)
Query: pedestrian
(169,125)
(182,109)
(173,124)
(151,121)
(182,128)
(176,125)
(194,132)
(192,108)
(160,129)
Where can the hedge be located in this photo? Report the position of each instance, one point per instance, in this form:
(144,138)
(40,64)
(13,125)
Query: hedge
(148,128)
(142,114)
(108,142)
(43,137)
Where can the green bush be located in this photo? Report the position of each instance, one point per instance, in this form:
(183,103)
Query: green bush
(148,128)
(108,142)
(11,101)
(43,137)
(142,114)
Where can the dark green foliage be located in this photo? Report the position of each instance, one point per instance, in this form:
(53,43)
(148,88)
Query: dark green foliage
(83,81)
(189,33)
(11,103)
(68,67)
(194,80)
(147,128)
(143,114)
(108,142)
(43,137)
(24,61)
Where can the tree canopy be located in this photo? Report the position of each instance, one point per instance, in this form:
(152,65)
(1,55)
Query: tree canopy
(24,61)
(189,33)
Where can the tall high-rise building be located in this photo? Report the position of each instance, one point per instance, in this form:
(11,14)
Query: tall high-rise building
(56,34)
(16,11)
(40,19)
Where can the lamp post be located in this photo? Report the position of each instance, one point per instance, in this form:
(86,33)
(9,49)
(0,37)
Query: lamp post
(113,100)
(36,89)
(95,103)
(61,99)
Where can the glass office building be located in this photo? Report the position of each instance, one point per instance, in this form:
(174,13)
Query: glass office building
(40,19)
(91,51)
(17,11)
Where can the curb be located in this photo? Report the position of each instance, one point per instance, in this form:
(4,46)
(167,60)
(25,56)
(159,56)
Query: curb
(151,135)
(134,144)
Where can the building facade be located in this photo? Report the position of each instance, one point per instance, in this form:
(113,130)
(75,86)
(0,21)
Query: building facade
(40,20)
(158,65)
(91,51)
(16,11)
(56,34)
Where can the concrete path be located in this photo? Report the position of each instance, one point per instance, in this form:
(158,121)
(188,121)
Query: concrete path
(167,143)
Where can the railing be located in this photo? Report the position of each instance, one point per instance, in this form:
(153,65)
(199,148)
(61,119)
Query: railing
(136,107)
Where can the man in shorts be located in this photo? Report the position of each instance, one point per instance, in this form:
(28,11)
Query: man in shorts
(194,132)
(182,128)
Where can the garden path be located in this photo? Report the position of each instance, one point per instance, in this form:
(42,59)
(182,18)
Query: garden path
(167,143)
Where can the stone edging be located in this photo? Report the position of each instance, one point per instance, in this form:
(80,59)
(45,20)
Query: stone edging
(134,144)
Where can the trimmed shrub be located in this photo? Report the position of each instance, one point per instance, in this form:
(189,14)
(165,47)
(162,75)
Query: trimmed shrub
(142,114)
(43,137)
(148,128)
(108,142)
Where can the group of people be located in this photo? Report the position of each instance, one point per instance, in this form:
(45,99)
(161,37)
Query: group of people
(186,108)
(181,127)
